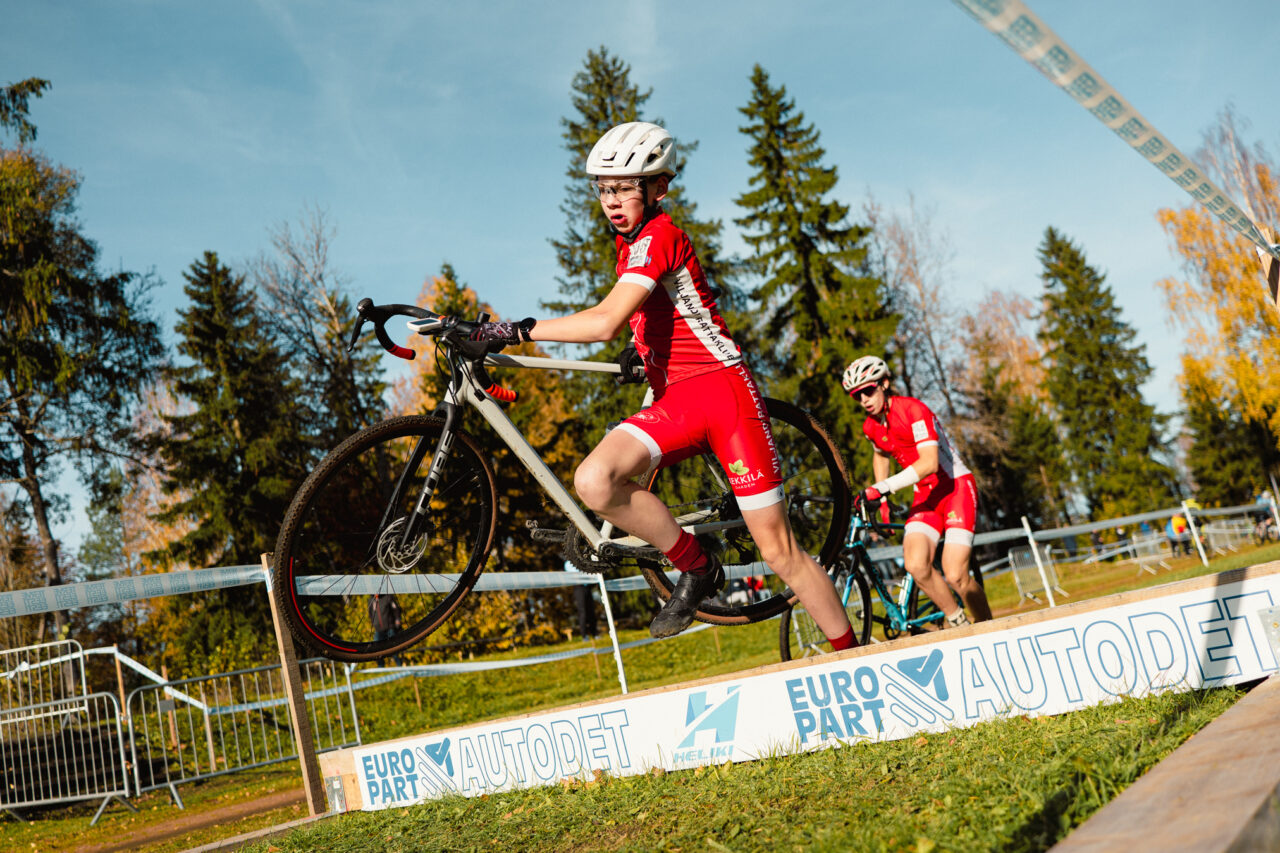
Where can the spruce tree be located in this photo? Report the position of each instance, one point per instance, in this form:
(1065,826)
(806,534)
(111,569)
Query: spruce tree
(1230,456)
(819,307)
(233,458)
(1111,436)
(1012,449)
(15,105)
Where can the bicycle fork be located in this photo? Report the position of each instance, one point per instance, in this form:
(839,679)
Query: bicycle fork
(416,521)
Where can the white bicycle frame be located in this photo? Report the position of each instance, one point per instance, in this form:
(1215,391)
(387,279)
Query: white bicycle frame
(515,440)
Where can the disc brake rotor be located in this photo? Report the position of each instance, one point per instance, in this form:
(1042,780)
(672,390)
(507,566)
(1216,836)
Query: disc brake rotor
(394,557)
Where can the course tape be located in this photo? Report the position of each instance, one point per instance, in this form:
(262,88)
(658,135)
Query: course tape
(1029,37)
(385,675)
(24,602)
(408,584)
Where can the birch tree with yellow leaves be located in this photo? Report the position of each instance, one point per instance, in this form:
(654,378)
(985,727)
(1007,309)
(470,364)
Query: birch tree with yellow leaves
(1232,327)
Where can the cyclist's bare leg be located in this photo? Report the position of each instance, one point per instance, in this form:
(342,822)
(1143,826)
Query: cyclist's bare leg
(772,533)
(605,481)
(917,556)
(955,565)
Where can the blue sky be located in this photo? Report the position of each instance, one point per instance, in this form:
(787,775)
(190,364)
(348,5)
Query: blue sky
(430,131)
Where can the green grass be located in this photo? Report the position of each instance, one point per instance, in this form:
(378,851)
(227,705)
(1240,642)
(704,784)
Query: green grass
(1018,784)
(1014,785)
(393,710)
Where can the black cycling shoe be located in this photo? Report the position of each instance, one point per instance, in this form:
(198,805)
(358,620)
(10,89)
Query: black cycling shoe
(677,614)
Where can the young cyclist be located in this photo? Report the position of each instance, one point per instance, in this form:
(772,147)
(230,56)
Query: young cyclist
(945,499)
(704,396)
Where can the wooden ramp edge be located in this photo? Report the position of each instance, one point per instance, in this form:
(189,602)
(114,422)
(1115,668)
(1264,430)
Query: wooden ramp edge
(338,767)
(1220,791)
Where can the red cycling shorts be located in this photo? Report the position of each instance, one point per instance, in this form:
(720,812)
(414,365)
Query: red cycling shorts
(721,412)
(945,506)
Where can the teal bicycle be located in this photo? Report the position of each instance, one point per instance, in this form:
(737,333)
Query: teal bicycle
(904,610)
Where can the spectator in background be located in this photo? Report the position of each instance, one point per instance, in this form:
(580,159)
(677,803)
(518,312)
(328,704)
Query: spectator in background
(384,614)
(1178,534)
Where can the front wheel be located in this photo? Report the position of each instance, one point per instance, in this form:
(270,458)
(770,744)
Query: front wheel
(350,584)
(799,635)
(816,499)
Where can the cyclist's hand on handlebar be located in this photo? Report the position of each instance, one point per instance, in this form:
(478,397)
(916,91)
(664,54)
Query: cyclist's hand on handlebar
(500,335)
(632,366)
(872,498)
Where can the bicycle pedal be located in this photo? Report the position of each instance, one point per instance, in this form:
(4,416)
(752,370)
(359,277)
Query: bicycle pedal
(546,534)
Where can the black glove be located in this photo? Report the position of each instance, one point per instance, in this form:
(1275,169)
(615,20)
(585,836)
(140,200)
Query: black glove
(632,366)
(500,335)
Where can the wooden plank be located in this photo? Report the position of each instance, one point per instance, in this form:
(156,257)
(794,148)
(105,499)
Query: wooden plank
(295,692)
(1219,791)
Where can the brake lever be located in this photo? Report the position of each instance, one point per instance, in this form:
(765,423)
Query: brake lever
(361,308)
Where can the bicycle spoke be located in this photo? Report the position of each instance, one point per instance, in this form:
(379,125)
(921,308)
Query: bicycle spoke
(343,540)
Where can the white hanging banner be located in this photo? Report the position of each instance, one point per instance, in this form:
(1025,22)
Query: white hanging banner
(1031,39)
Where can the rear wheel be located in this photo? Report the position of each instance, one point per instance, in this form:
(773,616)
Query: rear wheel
(799,635)
(816,498)
(342,540)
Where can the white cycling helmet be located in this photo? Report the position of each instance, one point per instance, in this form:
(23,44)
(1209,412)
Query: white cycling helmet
(864,371)
(633,149)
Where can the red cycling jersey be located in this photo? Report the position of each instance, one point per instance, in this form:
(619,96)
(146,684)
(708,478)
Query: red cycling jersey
(705,399)
(946,500)
(909,425)
(678,330)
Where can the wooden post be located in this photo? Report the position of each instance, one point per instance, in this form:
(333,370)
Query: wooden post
(124,709)
(417,694)
(312,782)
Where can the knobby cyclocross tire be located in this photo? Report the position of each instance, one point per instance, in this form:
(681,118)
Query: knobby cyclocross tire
(920,605)
(817,502)
(340,542)
(799,636)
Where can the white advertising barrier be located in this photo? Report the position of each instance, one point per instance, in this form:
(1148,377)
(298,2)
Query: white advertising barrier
(1203,632)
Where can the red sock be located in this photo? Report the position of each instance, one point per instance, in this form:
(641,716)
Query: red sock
(845,641)
(686,555)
